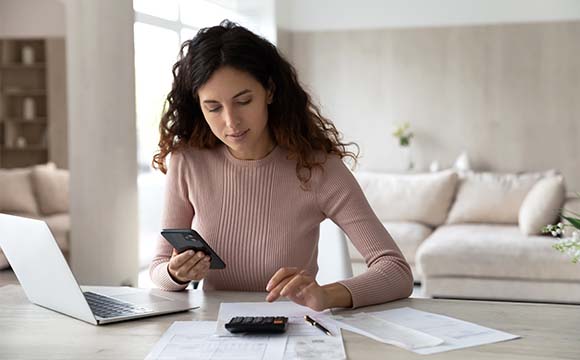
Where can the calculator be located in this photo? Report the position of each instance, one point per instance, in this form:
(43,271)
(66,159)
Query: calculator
(257,324)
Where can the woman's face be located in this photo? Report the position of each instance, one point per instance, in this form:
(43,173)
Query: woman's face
(235,106)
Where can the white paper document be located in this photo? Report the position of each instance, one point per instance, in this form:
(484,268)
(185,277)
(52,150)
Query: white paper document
(386,331)
(303,340)
(314,347)
(456,334)
(196,340)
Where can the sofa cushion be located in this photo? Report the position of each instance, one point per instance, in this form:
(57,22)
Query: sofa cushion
(59,226)
(490,197)
(492,251)
(51,189)
(542,205)
(423,198)
(17,195)
(407,235)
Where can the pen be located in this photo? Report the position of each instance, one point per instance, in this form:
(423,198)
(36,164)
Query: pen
(313,322)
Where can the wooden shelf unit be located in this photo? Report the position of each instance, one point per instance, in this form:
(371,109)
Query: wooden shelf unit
(24,117)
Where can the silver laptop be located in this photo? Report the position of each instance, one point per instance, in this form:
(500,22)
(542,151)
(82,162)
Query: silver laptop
(48,281)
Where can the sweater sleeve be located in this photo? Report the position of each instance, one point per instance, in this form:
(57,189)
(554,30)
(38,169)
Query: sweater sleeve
(177,213)
(341,199)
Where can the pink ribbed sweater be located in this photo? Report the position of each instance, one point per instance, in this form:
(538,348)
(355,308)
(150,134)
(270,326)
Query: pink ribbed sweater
(258,219)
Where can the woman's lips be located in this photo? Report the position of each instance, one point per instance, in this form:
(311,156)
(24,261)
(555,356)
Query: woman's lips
(238,134)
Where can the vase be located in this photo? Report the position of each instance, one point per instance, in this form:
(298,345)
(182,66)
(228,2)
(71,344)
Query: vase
(21,142)
(27,55)
(28,109)
(408,158)
(434,166)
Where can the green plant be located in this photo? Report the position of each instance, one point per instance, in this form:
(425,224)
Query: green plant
(570,246)
(566,245)
(403,133)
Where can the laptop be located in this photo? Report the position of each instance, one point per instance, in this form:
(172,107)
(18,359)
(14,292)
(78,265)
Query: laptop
(49,282)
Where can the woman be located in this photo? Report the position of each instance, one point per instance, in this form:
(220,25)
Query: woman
(254,169)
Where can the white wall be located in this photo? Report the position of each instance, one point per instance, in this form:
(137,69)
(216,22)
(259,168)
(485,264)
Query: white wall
(32,18)
(479,75)
(508,94)
(263,14)
(322,15)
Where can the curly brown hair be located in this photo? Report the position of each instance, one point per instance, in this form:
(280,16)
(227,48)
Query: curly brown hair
(294,122)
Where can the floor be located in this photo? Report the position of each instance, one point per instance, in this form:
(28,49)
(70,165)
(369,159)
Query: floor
(7,277)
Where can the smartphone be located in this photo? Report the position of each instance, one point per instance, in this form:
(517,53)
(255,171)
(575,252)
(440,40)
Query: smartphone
(188,239)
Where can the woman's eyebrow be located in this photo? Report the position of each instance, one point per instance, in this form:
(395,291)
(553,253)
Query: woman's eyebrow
(245,91)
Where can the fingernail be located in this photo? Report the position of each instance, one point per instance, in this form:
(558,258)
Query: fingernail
(268,287)
(190,252)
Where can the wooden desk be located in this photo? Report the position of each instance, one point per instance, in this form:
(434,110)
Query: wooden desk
(31,332)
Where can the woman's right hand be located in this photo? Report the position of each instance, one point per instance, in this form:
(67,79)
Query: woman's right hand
(187,266)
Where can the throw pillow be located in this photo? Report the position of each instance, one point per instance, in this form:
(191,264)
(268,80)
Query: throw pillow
(491,197)
(423,198)
(16,195)
(542,205)
(51,186)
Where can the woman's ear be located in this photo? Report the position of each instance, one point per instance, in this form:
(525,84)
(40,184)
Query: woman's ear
(271,91)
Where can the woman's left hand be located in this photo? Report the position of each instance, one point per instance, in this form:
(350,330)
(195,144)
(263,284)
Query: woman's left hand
(298,286)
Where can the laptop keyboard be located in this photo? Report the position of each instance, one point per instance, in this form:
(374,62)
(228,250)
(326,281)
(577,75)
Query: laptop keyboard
(107,307)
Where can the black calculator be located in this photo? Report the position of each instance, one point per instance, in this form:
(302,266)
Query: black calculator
(257,324)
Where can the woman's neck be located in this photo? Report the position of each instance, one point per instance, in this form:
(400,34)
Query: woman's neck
(257,153)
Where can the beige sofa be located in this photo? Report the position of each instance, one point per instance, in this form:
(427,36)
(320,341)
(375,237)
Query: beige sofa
(39,192)
(476,235)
